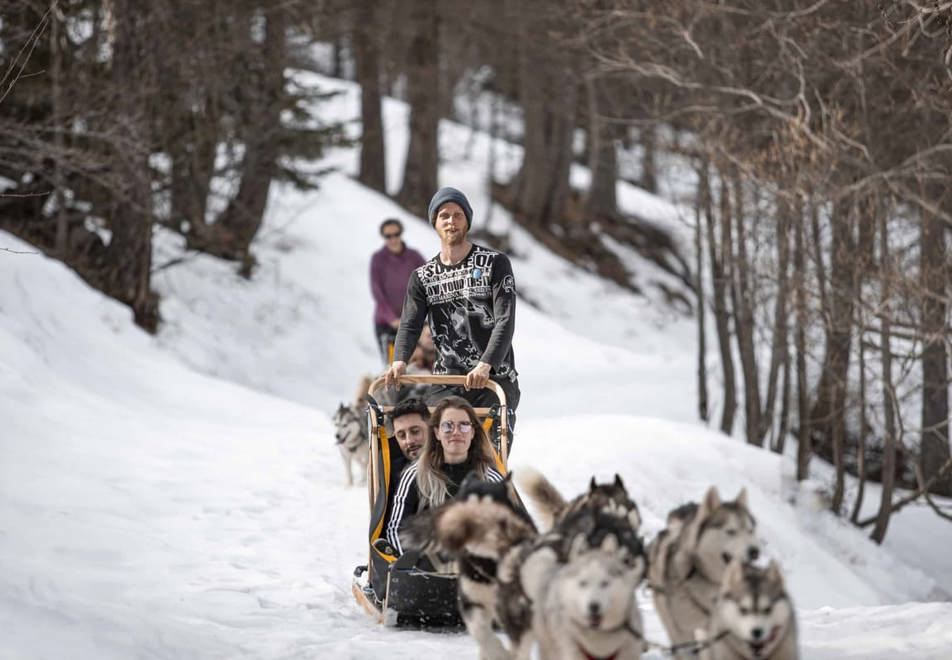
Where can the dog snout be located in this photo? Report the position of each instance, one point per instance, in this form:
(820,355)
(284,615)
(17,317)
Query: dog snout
(757,633)
(752,553)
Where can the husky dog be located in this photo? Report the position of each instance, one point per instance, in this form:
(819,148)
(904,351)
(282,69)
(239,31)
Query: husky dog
(352,440)
(753,617)
(586,609)
(613,499)
(477,529)
(689,557)
(603,519)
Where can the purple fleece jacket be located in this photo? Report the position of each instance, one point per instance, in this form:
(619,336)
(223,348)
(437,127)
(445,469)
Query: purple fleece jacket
(389,274)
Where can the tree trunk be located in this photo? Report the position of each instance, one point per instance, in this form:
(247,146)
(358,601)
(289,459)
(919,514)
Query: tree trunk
(241,219)
(420,173)
(127,264)
(934,450)
(548,97)
(703,201)
(338,49)
(193,164)
(721,316)
(800,344)
(56,103)
(784,427)
(649,176)
(602,156)
(889,411)
(367,54)
(828,418)
(863,427)
(779,349)
(740,289)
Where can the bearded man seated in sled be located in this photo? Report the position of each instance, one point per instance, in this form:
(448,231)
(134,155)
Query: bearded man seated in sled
(409,422)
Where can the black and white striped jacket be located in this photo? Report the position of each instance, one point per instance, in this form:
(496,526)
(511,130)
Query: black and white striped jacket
(406,500)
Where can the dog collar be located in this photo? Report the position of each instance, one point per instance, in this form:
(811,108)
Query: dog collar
(589,656)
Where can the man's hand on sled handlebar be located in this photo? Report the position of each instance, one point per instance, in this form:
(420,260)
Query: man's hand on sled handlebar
(392,377)
(478,377)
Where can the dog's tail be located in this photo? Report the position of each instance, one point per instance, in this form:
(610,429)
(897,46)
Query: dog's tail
(546,498)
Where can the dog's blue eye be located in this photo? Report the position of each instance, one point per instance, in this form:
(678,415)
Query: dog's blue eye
(767,610)
(744,611)
(731,532)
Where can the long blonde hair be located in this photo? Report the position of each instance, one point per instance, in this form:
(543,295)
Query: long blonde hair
(431,480)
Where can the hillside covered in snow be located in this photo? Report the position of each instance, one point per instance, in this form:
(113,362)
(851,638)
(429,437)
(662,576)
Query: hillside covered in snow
(180,496)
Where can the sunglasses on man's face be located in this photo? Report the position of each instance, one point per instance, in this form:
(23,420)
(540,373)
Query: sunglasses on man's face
(447,427)
(389,236)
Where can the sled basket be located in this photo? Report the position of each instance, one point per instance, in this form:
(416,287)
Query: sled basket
(400,590)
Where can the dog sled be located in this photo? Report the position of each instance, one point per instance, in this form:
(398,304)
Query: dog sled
(403,591)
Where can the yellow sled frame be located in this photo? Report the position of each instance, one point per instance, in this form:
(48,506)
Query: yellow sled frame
(378,477)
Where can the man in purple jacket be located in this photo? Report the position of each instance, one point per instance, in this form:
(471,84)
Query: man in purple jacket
(390,269)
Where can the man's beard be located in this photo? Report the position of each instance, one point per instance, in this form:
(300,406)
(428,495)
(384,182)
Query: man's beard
(454,238)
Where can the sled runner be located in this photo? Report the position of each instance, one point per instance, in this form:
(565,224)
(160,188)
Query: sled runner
(402,590)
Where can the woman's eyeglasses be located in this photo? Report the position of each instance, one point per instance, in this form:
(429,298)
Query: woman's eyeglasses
(389,236)
(447,427)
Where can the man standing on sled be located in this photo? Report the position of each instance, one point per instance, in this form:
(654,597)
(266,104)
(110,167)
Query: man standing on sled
(467,295)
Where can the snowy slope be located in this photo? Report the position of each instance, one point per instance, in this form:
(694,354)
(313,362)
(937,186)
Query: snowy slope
(180,496)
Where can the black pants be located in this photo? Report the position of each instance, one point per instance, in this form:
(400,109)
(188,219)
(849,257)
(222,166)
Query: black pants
(483,398)
(386,335)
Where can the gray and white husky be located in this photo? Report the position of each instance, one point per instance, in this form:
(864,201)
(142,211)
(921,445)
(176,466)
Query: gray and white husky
(753,617)
(688,559)
(586,608)
(352,440)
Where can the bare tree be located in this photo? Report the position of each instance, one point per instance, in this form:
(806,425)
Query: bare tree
(423,84)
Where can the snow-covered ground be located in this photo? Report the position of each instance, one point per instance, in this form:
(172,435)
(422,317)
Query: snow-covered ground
(180,496)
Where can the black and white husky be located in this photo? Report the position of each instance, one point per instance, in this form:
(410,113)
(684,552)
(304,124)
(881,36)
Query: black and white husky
(688,559)
(477,529)
(753,617)
(353,442)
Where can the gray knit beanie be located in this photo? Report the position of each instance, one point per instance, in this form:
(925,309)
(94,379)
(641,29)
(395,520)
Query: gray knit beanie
(447,194)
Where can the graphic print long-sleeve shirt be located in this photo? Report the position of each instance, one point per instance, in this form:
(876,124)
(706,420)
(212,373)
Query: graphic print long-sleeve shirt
(471,308)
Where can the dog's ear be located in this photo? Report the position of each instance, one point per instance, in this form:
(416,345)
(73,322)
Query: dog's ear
(577,547)
(712,500)
(773,574)
(733,576)
(610,543)
(741,498)
(592,485)
(619,483)
(634,518)
(469,481)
